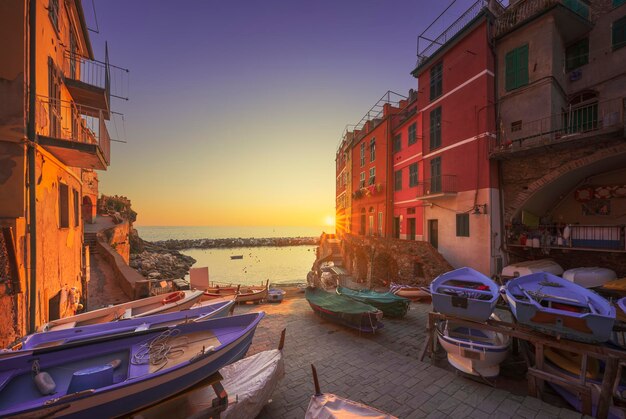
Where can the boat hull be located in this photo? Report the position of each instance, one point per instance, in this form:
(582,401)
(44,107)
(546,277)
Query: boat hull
(589,277)
(390,304)
(361,317)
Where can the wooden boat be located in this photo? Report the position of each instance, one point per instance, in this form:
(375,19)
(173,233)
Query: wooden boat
(412,293)
(330,406)
(248,383)
(254,295)
(390,304)
(116,376)
(175,301)
(236,257)
(472,350)
(589,277)
(465,293)
(343,310)
(617,287)
(530,267)
(555,306)
(199,312)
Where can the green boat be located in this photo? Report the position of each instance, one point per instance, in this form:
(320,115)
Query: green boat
(390,304)
(343,310)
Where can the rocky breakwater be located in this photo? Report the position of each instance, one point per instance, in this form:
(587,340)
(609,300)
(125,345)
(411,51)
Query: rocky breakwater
(238,242)
(157,262)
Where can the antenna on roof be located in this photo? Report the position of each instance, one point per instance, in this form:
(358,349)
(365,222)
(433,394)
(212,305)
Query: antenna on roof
(95,16)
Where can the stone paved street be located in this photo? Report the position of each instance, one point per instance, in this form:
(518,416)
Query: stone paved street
(382,370)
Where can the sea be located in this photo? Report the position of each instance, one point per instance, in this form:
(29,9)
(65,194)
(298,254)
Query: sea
(287,264)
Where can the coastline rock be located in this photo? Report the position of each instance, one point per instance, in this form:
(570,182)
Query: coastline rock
(234,242)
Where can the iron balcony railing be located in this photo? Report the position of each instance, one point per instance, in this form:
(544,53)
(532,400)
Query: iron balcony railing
(576,121)
(444,184)
(68,121)
(523,10)
(112,79)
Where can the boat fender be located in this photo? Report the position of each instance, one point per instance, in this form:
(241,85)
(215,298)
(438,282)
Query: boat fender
(45,384)
(173,297)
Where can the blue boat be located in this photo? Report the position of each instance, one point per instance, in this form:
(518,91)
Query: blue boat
(558,307)
(205,311)
(464,293)
(122,374)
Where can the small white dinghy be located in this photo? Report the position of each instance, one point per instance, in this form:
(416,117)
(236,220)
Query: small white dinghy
(590,277)
(472,350)
(531,267)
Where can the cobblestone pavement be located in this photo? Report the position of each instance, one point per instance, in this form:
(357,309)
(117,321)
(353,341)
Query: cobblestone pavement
(381,370)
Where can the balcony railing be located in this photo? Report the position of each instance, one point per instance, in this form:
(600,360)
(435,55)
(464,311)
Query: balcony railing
(69,123)
(526,9)
(437,186)
(577,121)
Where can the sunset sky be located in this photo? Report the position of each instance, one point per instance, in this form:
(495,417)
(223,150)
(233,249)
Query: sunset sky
(236,107)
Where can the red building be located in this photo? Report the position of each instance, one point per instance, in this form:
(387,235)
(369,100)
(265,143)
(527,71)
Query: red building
(456,101)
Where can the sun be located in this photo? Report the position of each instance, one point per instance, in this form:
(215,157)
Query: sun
(329,221)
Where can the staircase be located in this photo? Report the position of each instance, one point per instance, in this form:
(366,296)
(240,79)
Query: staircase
(91,239)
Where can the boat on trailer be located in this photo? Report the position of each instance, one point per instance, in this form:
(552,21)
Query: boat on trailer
(390,304)
(465,293)
(558,307)
(343,310)
(114,377)
(175,301)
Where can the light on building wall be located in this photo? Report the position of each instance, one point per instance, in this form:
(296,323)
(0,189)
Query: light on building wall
(479,209)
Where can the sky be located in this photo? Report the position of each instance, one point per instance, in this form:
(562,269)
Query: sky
(236,107)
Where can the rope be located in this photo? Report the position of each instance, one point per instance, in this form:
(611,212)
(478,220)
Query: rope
(159,350)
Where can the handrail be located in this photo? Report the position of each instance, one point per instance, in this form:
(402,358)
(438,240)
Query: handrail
(97,73)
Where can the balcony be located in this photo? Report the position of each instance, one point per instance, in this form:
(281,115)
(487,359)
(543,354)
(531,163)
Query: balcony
(437,187)
(591,121)
(571,16)
(77,135)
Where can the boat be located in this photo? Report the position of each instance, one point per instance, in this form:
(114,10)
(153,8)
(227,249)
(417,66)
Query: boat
(390,304)
(616,287)
(589,277)
(236,257)
(407,291)
(175,301)
(253,294)
(556,306)
(275,295)
(530,267)
(57,337)
(464,293)
(122,374)
(249,384)
(329,406)
(343,310)
(621,305)
(473,350)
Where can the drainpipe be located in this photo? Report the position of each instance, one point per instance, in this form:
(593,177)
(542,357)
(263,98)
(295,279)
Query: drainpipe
(32,145)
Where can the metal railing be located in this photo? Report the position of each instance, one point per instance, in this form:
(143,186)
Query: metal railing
(68,121)
(526,9)
(578,120)
(443,184)
(112,79)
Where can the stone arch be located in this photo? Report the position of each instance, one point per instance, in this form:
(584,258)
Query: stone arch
(87,209)
(385,268)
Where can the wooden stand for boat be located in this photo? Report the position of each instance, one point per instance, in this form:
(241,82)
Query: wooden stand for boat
(536,375)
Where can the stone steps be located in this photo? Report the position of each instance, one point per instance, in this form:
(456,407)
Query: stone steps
(91,239)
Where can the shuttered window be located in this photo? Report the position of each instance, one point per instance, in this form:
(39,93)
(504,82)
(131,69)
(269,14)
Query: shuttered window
(462,225)
(413,175)
(435,128)
(412,133)
(398,180)
(436,81)
(619,33)
(577,55)
(516,68)
(397,143)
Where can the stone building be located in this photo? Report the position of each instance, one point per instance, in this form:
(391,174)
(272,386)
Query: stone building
(54,107)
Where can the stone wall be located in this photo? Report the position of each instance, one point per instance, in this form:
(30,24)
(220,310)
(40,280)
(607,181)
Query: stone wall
(129,280)
(392,260)
(118,238)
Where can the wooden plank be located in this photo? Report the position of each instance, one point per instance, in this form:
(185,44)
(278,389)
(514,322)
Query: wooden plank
(606,391)
(582,391)
(539,366)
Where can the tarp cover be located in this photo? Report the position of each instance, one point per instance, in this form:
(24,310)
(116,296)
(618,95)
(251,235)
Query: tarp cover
(336,303)
(364,295)
(329,406)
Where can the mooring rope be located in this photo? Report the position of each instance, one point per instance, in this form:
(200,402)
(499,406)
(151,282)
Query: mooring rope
(159,350)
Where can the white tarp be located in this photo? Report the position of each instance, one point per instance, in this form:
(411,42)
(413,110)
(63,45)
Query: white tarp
(329,406)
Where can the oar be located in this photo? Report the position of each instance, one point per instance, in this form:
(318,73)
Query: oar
(542,295)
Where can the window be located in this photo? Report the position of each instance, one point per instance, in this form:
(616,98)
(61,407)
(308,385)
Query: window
(619,33)
(516,68)
(412,133)
(618,2)
(410,211)
(372,176)
(578,7)
(373,149)
(435,175)
(362,180)
(577,54)
(53,12)
(435,128)
(413,175)
(380,224)
(397,143)
(516,126)
(76,207)
(436,80)
(462,225)
(362,154)
(64,208)
(397,180)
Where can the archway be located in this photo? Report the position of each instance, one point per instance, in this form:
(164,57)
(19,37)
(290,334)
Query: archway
(87,210)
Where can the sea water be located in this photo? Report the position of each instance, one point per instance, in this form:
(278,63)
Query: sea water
(278,264)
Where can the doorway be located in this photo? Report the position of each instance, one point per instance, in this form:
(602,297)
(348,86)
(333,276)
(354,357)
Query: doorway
(411,228)
(433,233)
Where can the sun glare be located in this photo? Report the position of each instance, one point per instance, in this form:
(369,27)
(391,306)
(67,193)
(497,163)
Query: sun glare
(329,221)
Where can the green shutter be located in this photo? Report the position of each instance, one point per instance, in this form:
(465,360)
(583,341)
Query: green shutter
(618,2)
(522,65)
(619,33)
(510,66)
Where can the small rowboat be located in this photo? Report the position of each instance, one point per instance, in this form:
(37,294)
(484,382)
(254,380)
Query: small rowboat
(253,294)
(390,304)
(116,376)
(555,306)
(530,267)
(465,293)
(343,310)
(589,277)
(330,406)
(275,295)
(413,293)
(175,301)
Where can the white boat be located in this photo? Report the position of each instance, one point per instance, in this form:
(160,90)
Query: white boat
(590,277)
(472,350)
(532,266)
(159,304)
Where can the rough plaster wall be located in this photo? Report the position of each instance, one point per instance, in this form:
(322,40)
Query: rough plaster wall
(12,175)
(118,240)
